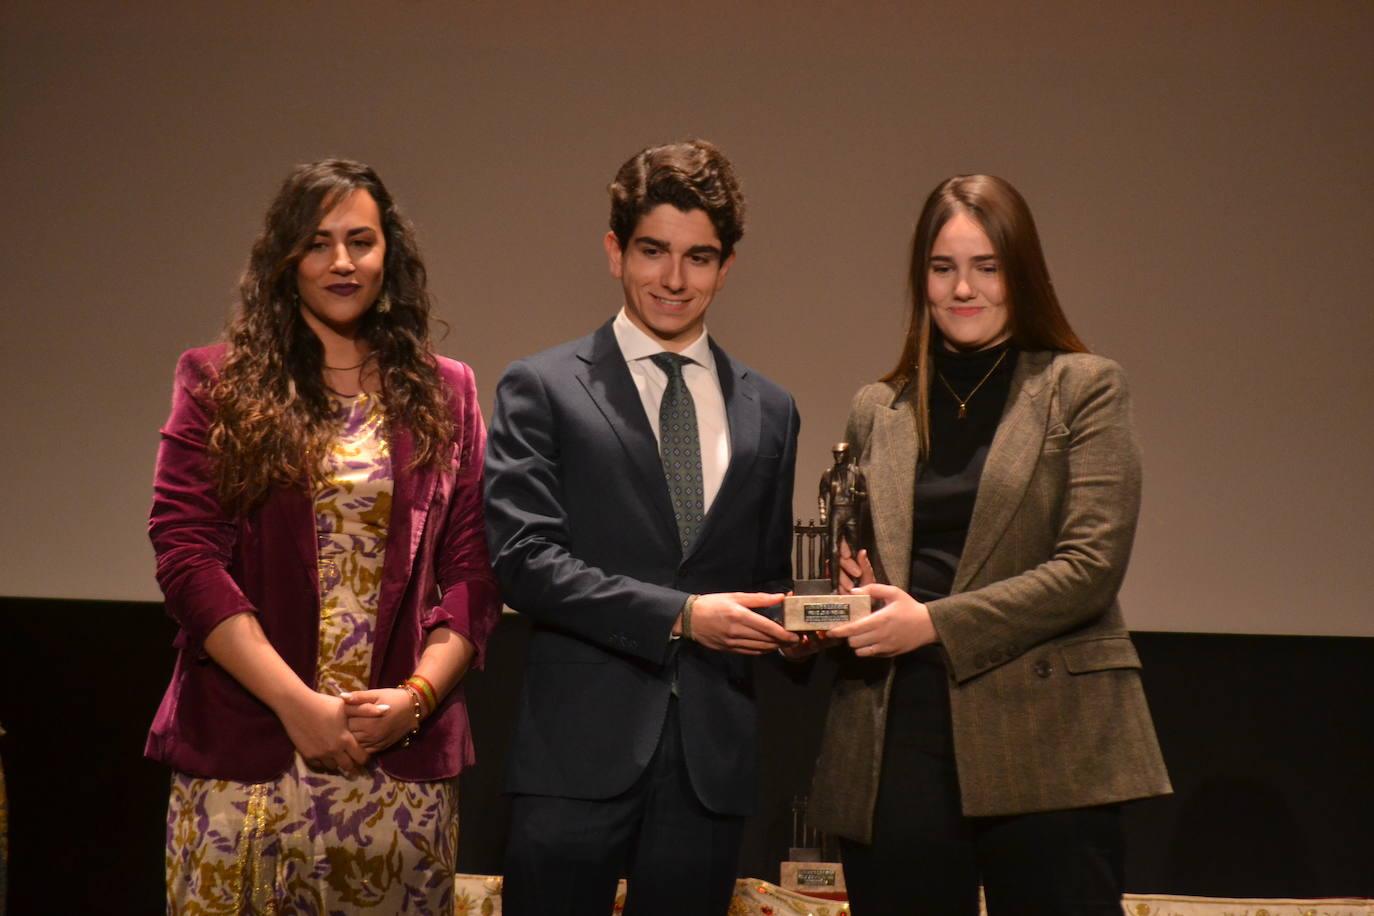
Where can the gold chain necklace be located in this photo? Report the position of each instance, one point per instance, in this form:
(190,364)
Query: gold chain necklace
(963,402)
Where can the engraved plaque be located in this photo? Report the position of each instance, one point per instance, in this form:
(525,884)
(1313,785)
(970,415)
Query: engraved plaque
(815,876)
(808,613)
(819,879)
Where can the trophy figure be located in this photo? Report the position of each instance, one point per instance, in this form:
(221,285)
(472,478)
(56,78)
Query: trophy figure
(841,500)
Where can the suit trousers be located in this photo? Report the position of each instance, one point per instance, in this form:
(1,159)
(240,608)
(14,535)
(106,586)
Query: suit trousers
(565,855)
(928,858)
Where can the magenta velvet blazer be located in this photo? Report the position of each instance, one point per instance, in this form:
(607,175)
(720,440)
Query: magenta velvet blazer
(212,565)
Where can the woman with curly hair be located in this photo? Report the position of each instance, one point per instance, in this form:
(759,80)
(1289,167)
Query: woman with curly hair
(317,520)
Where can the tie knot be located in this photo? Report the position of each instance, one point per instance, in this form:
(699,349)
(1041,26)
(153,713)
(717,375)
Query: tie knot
(671,363)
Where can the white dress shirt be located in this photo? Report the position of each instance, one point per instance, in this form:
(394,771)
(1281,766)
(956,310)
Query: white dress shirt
(713,429)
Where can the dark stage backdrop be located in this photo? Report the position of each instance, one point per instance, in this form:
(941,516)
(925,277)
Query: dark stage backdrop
(1200,173)
(1267,740)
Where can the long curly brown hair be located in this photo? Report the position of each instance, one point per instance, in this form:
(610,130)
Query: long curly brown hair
(273,416)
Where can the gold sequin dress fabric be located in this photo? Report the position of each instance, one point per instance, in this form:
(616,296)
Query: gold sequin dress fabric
(309,842)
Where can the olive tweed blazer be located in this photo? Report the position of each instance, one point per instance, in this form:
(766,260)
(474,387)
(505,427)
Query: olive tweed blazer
(1045,694)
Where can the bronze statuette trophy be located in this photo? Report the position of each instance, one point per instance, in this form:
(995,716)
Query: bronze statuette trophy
(817,604)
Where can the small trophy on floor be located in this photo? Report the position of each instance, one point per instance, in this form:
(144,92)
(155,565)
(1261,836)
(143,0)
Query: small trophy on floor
(842,500)
(811,868)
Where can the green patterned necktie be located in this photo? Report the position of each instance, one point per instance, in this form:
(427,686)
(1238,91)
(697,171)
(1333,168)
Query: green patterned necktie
(680,448)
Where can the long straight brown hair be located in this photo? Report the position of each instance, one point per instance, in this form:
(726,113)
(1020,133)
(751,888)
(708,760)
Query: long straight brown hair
(1036,320)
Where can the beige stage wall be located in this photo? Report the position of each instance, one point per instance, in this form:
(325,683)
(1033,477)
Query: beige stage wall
(1200,172)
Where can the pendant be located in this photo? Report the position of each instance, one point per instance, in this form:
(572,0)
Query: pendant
(963,410)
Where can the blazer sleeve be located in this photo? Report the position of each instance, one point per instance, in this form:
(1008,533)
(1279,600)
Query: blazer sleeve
(528,530)
(192,534)
(775,571)
(469,602)
(857,428)
(1092,533)
(871,397)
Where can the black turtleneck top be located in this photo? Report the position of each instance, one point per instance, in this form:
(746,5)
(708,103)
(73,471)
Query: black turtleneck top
(947,480)
(946,487)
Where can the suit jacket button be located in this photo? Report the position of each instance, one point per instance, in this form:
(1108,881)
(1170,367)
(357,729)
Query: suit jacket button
(1043,668)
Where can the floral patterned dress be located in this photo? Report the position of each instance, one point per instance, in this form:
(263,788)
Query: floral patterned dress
(319,843)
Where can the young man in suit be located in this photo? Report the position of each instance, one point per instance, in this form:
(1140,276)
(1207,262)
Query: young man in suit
(639,505)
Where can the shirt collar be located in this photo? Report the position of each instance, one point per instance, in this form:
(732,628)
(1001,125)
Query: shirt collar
(635,344)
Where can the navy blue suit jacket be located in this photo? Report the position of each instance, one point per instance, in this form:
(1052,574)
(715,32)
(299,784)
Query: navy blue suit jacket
(584,542)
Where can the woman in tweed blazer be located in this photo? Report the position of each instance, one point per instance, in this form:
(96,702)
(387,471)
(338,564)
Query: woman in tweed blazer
(986,723)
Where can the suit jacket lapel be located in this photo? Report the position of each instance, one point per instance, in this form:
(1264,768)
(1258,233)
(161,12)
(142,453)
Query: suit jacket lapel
(891,485)
(745,419)
(1011,461)
(607,381)
(412,493)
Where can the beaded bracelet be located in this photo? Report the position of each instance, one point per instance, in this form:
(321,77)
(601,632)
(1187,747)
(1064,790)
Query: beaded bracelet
(415,703)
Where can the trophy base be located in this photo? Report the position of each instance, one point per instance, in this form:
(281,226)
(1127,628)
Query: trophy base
(815,879)
(808,613)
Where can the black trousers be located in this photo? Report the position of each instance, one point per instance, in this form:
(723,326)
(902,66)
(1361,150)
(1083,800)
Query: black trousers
(928,858)
(565,855)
